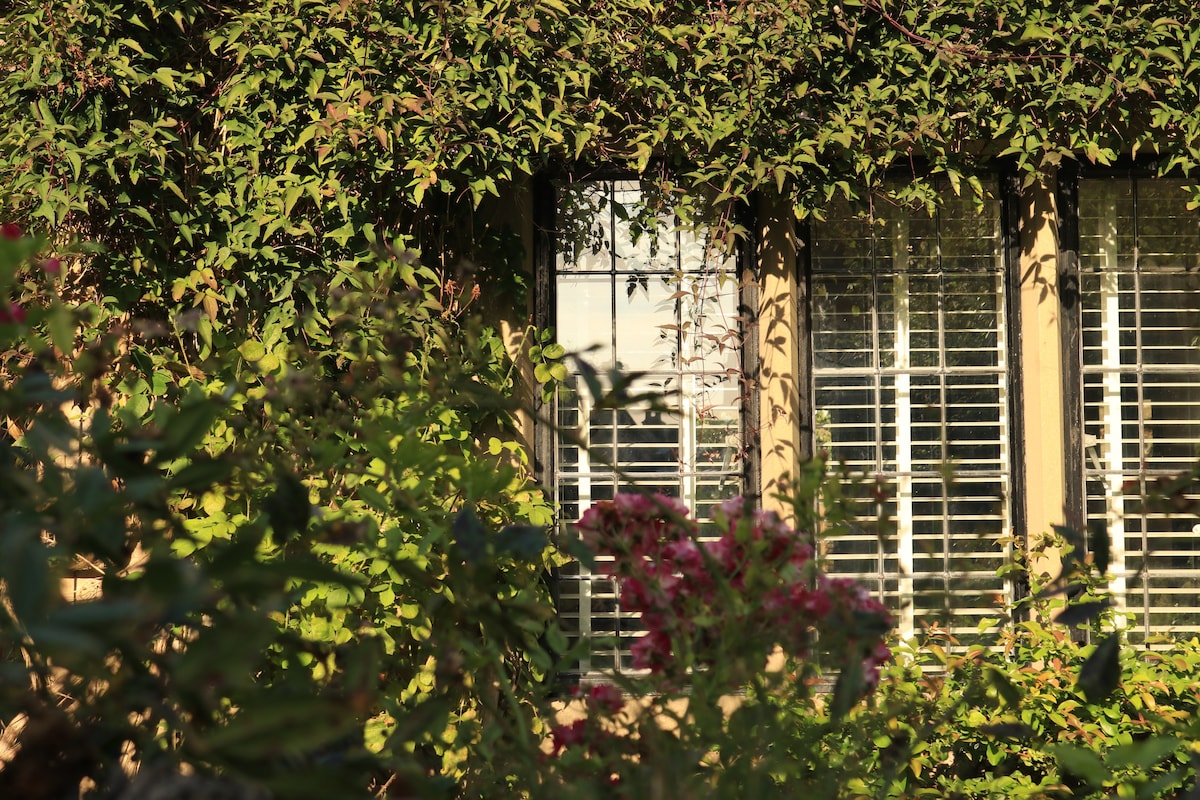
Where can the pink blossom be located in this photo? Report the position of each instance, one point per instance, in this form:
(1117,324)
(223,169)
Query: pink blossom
(814,603)
(722,552)
(672,579)
(685,555)
(634,524)
(10,230)
(649,506)
(878,656)
(606,699)
(52,266)
(564,736)
(12,315)
(634,595)
(652,651)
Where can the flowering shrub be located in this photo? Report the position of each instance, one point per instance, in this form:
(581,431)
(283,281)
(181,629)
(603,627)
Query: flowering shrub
(602,703)
(710,719)
(1017,715)
(758,582)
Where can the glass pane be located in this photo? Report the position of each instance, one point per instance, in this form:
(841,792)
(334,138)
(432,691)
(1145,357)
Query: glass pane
(1168,235)
(643,242)
(646,324)
(1141,335)
(976,426)
(846,424)
(584,233)
(584,317)
(973,310)
(1170,319)
(910,384)
(638,295)
(843,335)
(1106,229)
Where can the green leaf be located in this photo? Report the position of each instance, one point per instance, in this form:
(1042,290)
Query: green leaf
(26,573)
(61,324)
(202,474)
(525,542)
(186,428)
(1082,612)
(470,536)
(1143,754)
(578,549)
(848,690)
(1035,32)
(1082,762)
(103,614)
(556,640)
(1100,675)
(287,507)
(1100,547)
(1004,686)
(67,643)
(252,351)
(1016,731)
(278,725)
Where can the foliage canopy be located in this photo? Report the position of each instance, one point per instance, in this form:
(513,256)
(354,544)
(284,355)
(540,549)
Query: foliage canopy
(252,136)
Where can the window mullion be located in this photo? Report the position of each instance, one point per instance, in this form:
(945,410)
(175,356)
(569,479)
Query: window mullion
(1111,420)
(943,421)
(903,425)
(1140,407)
(1002,363)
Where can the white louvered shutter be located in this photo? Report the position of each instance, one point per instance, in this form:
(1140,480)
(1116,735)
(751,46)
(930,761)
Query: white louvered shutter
(1140,265)
(910,386)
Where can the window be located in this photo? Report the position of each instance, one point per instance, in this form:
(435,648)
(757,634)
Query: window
(1139,258)
(651,306)
(910,386)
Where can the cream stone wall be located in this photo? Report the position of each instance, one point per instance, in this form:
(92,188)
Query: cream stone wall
(1040,370)
(779,374)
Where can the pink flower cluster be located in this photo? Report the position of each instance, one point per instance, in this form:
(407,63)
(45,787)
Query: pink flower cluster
(13,313)
(757,582)
(602,702)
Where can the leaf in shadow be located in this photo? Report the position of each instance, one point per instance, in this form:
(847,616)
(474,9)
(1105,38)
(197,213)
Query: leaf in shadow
(1101,673)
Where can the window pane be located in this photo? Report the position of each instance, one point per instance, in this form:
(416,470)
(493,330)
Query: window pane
(843,333)
(638,294)
(910,387)
(1140,250)
(585,228)
(585,305)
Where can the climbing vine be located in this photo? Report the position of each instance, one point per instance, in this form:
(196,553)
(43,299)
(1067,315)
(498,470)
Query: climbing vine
(251,137)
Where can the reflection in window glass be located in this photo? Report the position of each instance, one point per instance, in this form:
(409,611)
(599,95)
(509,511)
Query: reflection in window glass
(1140,262)
(911,388)
(641,299)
